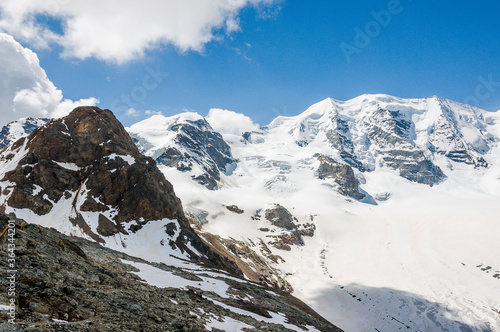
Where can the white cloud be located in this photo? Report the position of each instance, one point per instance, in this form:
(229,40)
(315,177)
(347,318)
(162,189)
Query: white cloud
(229,122)
(120,31)
(25,89)
(149,112)
(132,112)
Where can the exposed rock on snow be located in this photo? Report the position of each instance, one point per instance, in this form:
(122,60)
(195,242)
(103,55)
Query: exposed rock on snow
(235,209)
(281,217)
(342,174)
(71,284)
(113,190)
(12,131)
(186,142)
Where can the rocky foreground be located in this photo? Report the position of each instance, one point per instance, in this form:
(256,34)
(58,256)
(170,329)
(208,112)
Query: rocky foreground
(72,284)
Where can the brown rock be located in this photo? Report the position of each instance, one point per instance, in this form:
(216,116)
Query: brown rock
(88,156)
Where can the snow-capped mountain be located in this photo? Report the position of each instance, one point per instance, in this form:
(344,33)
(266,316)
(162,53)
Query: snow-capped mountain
(19,128)
(374,132)
(379,211)
(83,175)
(186,142)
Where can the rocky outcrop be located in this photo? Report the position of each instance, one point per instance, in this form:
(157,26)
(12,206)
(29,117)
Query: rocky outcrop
(390,132)
(338,137)
(87,163)
(342,174)
(235,209)
(71,284)
(193,146)
(281,217)
(446,139)
(250,259)
(292,232)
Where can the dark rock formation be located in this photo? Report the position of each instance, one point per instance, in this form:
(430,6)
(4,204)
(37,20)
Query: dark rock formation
(281,217)
(307,229)
(235,209)
(195,143)
(88,157)
(292,232)
(449,141)
(342,174)
(286,240)
(390,131)
(338,137)
(87,287)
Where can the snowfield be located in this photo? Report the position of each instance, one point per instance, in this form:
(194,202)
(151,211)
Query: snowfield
(409,256)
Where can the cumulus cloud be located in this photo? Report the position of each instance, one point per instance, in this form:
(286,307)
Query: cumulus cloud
(229,122)
(120,31)
(25,89)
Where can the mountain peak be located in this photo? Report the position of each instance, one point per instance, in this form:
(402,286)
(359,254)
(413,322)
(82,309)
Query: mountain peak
(83,173)
(187,142)
(16,129)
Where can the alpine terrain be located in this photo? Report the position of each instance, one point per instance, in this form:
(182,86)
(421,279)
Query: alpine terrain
(379,213)
(83,176)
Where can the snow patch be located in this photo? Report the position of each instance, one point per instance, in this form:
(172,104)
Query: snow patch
(129,159)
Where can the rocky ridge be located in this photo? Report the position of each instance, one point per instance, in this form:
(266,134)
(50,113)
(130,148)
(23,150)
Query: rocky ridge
(72,284)
(14,130)
(186,142)
(85,169)
(83,175)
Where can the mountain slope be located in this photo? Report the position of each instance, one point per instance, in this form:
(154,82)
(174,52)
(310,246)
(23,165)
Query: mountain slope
(398,201)
(83,175)
(16,129)
(378,212)
(72,284)
(186,142)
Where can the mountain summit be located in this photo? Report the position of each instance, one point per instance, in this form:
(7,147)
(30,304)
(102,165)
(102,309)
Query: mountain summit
(186,142)
(380,207)
(84,175)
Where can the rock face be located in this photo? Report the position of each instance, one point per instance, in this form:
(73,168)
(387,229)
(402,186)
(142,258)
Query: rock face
(12,131)
(390,131)
(186,142)
(448,140)
(71,284)
(342,174)
(255,263)
(281,217)
(87,165)
(292,233)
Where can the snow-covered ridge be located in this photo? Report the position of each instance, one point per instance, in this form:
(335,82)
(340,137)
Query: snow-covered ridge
(19,128)
(371,128)
(412,252)
(418,248)
(186,142)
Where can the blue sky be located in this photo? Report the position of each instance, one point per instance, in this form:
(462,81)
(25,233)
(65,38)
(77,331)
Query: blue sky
(287,56)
